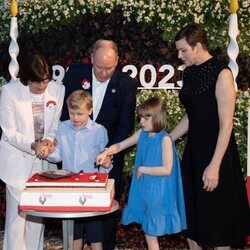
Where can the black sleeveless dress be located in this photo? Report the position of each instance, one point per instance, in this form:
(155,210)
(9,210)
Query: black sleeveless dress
(221,217)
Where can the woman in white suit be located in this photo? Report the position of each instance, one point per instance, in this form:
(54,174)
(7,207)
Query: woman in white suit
(30,109)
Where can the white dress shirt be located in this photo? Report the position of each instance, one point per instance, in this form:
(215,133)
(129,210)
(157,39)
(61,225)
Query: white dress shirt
(78,148)
(98,92)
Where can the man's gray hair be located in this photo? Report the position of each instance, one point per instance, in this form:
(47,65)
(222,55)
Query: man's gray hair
(102,43)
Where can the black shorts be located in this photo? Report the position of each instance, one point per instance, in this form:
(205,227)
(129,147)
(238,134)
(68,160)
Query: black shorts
(89,229)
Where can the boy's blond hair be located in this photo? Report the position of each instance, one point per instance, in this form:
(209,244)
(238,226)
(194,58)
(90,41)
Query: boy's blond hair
(79,97)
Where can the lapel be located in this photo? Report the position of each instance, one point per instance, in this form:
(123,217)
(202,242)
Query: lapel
(109,94)
(89,78)
(25,106)
(91,84)
(86,79)
(84,73)
(50,103)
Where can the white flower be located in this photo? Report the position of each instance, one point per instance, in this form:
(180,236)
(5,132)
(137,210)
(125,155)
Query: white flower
(85,84)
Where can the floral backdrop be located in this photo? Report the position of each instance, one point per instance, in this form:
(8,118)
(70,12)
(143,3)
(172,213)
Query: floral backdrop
(64,31)
(169,16)
(144,30)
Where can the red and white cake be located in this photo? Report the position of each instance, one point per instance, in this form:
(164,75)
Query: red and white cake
(67,191)
(64,178)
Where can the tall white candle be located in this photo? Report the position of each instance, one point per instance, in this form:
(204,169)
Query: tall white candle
(13,48)
(233,48)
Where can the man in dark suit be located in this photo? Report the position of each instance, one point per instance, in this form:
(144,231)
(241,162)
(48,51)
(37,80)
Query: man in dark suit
(114,101)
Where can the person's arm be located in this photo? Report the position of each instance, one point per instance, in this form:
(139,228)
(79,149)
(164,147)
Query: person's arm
(180,129)
(9,113)
(56,155)
(117,147)
(102,144)
(225,96)
(41,149)
(50,144)
(167,161)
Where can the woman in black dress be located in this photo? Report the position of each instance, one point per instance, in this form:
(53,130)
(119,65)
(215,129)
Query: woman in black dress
(214,187)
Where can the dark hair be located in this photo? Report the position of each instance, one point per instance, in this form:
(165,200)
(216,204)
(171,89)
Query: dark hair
(35,68)
(193,33)
(78,98)
(152,107)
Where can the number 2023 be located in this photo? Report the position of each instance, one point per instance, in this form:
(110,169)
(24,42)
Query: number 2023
(162,84)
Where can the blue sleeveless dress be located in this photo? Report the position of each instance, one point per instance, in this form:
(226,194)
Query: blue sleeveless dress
(155,202)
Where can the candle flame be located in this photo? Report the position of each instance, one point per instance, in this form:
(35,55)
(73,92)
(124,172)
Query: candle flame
(14,8)
(234,6)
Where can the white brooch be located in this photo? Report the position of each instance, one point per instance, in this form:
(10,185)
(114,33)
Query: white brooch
(85,84)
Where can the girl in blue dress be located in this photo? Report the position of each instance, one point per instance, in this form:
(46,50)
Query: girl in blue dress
(156,195)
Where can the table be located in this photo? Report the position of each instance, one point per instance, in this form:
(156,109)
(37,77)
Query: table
(68,222)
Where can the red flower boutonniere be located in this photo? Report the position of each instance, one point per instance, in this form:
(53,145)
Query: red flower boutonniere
(50,104)
(85,84)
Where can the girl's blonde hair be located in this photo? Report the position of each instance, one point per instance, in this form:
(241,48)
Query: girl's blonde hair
(152,107)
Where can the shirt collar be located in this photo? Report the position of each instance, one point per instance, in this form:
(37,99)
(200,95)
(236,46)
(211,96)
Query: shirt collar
(89,125)
(96,81)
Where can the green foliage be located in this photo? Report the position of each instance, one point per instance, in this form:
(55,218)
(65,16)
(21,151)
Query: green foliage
(175,112)
(240,125)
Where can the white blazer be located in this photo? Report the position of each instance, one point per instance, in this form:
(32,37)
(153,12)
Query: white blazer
(16,121)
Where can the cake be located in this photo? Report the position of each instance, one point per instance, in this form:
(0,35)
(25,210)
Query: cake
(69,192)
(64,178)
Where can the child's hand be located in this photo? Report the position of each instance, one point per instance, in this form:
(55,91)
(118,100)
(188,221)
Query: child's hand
(101,159)
(139,173)
(107,161)
(42,150)
(50,144)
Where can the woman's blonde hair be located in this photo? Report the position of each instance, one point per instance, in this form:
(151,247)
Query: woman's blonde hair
(152,107)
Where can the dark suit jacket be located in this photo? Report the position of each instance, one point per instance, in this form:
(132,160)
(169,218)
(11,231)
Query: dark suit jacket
(117,113)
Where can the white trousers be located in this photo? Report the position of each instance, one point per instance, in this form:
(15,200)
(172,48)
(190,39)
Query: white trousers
(21,232)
